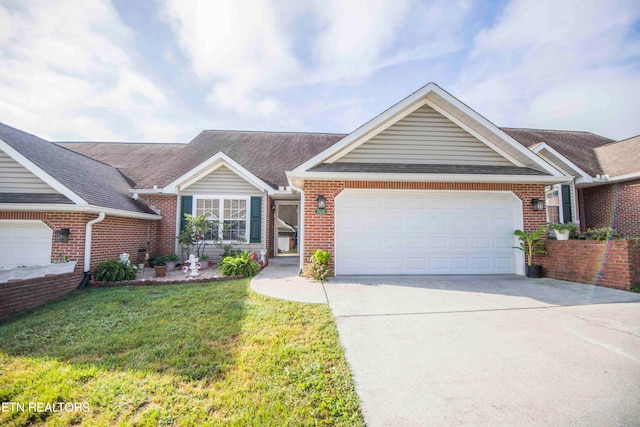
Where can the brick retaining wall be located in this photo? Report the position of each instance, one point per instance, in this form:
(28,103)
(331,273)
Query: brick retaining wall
(17,296)
(613,264)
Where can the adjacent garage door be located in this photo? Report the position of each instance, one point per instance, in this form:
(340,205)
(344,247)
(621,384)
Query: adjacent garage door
(24,243)
(426,232)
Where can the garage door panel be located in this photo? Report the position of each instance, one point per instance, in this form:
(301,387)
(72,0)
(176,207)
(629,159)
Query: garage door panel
(441,233)
(24,243)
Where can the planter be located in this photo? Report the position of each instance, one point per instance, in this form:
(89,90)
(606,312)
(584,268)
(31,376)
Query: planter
(161,270)
(62,267)
(171,265)
(562,235)
(5,275)
(534,271)
(24,273)
(204,264)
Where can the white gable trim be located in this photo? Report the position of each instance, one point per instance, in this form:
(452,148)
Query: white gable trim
(407,106)
(210,165)
(568,167)
(41,174)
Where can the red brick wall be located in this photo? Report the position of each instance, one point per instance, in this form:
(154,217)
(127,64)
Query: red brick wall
(616,205)
(319,230)
(18,296)
(74,221)
(111,237)
(165,241)
(116,235)
(614,263)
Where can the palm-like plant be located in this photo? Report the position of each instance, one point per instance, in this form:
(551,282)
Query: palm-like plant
(530,243)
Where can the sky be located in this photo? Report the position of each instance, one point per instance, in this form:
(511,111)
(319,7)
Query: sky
(164,70)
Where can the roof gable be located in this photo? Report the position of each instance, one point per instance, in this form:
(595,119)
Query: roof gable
(424,137)
(15,178)
(82,180)
(446,105)
(620,158)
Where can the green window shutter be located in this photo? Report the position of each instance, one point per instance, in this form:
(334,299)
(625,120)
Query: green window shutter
(566,203)
(256,220)
(186,205)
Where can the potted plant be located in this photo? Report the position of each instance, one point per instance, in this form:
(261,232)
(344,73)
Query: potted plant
(564,231)
(530,245)
(171,261)
(204,261)
(160,265)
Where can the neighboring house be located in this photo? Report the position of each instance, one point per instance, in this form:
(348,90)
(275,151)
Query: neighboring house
(427,187)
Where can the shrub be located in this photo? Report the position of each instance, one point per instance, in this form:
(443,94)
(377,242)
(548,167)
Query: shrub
(241,264)
(318,267)
(602,233)
(114,271)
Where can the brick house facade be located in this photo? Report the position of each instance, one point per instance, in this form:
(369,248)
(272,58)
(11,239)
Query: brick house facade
(616,205)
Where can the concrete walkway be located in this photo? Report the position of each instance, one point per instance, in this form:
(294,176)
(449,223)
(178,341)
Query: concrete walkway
(491,350)
(280,279)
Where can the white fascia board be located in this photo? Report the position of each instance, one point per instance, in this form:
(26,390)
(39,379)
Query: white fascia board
(382,121)
(210,165)
(543,146)
(625,177)
(421,177)
(41,207)
(37,171)
(494,129)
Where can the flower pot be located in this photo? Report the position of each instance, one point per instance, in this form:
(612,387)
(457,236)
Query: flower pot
(171,265)
(161,270)
(562,235)
(534,271)
(62,267)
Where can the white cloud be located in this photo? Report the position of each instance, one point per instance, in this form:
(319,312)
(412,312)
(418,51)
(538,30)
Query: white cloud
(66,72)
(557,64)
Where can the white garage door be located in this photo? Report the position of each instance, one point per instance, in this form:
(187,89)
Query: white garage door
(24,243)
(426,232)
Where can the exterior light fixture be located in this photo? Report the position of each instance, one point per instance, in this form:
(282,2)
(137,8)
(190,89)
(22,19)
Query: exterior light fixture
(537,204)
(62,235)
(322,205)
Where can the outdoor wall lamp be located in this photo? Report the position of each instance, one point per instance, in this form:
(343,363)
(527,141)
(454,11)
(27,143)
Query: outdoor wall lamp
(322,205)
(62,235)
(537,204)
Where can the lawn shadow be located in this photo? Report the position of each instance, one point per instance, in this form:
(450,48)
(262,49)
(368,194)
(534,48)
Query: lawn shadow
(190,330)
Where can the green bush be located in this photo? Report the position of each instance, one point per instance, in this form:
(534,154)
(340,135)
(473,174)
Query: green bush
(602,233)
(240,264)
(318,267)
(114,271)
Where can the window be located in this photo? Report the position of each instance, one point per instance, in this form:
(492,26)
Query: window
(553,205)
(230,213)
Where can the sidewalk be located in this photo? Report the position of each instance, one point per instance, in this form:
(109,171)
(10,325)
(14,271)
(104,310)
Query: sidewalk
(280,279)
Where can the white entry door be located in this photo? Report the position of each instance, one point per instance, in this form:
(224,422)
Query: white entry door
(426,232)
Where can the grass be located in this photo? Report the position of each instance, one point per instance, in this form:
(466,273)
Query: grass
(196,354)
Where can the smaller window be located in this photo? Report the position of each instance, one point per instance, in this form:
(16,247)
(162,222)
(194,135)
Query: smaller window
(552,197)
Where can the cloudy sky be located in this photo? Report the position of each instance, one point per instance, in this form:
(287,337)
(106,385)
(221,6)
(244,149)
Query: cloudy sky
(163,70)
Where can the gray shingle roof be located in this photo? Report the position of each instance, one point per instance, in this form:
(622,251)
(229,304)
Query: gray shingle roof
(97,183)
(576,146)
(620,158)
(429,169)
(268,155)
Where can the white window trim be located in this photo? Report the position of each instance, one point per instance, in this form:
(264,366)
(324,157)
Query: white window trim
(247,199)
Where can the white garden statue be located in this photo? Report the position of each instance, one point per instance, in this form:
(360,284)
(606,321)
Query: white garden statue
(193,266)
(124,259)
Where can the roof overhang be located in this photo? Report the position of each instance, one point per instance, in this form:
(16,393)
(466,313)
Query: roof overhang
(297,178)
(210,165)
(44,176)
(560,162)
(92,209)
(450,107)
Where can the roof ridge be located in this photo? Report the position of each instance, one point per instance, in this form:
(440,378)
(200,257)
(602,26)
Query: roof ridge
(273,132)
(554,130)
(119,142)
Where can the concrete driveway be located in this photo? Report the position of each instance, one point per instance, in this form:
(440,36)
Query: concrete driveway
(496,350)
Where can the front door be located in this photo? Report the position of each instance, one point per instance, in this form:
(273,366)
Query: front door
(286,228)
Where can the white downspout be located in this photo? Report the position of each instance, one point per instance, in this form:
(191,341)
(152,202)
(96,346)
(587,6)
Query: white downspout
(87,241)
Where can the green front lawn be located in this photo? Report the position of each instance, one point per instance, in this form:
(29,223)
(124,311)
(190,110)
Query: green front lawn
(196,354)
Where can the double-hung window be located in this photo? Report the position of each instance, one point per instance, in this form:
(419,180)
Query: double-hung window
(230,215)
